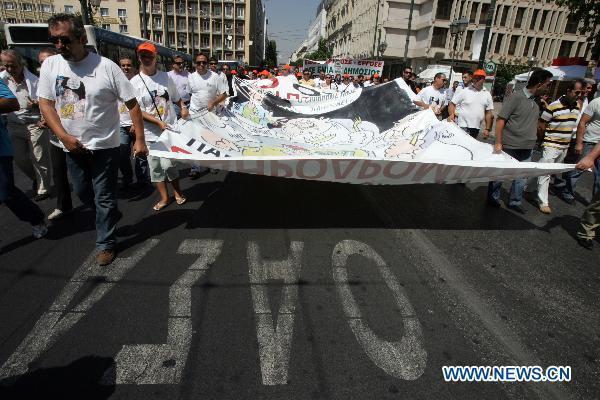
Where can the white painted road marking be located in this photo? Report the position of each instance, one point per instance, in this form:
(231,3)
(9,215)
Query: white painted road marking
(164,363)
(57,320)
(274,342)
(405,359)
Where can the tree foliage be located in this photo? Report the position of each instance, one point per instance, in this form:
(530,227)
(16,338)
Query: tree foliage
(505,73)
(322,53)
(271,53)
(588,13)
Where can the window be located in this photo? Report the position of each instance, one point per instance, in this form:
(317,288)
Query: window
(572,25)
(204,9)
(47,8)
(565,48)
(542,26)
(240,12)
(122,13)
(170,8)
(240,57)
(217,42)
(26,7)
(193,8)
(104,12)
(217,26)
(512,47)
(69,9)
(239,28)
(527,46)
(12,20)
(205,24)
(443,10)
(485,8)
(217,10)
(239,43)
(205,41)
(181,24)
(170,23)
(504,16)
(438,39)
(9,5)
(157,23)
(122,28)
(473,16)
(519,17)
(157,37)
(468,40)
(499,39)
(534,16)
(228,10)
(536,48)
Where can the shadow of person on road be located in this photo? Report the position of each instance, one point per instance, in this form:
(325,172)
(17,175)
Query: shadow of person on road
(84,378)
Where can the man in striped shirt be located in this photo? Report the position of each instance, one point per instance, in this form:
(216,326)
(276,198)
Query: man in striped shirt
(558,121)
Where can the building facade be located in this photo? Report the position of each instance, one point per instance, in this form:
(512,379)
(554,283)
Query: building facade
(226,29)
(522,29)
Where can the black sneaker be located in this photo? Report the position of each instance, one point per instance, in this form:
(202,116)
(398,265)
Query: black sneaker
(518,209)
(587,244)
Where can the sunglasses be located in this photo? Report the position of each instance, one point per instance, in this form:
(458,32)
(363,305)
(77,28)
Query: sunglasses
(178,63)
(62,39)
(213,63)
(201,63)
(577,91)
(407,72)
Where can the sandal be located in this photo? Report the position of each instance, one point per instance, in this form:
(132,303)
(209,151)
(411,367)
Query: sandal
(159,206)
(180,200)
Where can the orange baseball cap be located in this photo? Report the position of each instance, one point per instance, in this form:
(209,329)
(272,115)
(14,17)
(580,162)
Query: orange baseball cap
(234,72)
(286,66)
(479,72)
(346,75)
(265,72)
(147,46)
(376,76)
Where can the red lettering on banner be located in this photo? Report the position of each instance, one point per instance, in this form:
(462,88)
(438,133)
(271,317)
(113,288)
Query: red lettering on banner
(459,173)
(301,167)
(387,170)
(376,169)
(338,173)
(422,172)
(290,95)
(442,172)
(259,169)
(176,149)
(277,165)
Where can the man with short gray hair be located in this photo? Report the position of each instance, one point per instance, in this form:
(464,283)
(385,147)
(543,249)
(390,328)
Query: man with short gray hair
(30,141)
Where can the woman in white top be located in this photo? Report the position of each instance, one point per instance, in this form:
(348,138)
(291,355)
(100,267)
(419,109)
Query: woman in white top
(156,92)
(328,84)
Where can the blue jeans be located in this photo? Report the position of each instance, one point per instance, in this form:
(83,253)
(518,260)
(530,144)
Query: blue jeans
(572,177)
(14,198)
(518,185)
(142,172)
(94,176)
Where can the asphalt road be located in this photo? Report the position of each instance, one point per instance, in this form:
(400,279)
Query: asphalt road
(265,288)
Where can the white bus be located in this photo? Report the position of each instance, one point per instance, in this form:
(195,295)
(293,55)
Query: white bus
(29,39)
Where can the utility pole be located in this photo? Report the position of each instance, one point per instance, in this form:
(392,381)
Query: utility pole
(85,12)
(410,15)
(486,34)
(144,19)
(375,32)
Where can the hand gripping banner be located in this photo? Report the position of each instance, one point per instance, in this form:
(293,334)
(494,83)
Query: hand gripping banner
(373,135)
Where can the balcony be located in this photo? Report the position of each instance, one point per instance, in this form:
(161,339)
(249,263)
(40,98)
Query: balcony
(156,10)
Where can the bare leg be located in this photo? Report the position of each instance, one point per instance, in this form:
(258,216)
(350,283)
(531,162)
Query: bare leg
(176,189)
(163,192)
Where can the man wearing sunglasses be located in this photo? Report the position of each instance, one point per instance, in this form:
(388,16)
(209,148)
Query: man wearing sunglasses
(180,77)
(557,122)
(78,94)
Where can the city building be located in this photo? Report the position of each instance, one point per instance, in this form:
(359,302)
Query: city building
(316,31)
(226,29)
(522,30)
(27,11)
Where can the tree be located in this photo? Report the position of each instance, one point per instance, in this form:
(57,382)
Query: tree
(322,53)
(271,53)
(504,74)
(588,13)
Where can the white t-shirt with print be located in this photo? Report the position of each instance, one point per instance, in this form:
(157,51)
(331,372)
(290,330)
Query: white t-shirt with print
(205,88)
(432,96)
(124,116)
(85,95)
(164,91)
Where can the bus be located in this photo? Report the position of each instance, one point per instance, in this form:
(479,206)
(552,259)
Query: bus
(29,39)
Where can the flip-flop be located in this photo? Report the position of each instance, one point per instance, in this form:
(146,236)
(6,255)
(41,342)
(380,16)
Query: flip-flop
(159,206)
(180,200)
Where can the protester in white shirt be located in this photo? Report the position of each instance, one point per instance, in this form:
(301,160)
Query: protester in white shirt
(473,104)
(142,172)
(30,141)
(78,92)
(180,77)
(208,89)
(433,95)
(156,92)
(319,80)
(329,85)
(347,86)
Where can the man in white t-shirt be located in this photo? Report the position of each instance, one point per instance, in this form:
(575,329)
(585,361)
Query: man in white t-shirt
(319,80)
(156,93)
(180,76)
(433,95)
(347,86)
(208,89)
(78,92)
(473,105)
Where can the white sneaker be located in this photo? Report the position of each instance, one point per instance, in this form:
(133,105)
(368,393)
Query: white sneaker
(56,214)
(39,231)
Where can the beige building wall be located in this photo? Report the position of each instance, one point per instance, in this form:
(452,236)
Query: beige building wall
(115,15)
(25,11)
(521,29)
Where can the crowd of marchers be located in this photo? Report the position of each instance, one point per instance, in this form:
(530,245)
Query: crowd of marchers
(86,118)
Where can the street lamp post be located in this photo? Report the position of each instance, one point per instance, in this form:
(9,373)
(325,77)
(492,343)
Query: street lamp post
(457,28)
(531,62)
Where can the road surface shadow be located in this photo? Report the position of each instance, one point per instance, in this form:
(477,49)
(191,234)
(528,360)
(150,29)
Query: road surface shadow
(82,379)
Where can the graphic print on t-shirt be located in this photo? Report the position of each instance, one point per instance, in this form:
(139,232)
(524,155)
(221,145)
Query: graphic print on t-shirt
(70,97)
(161,98)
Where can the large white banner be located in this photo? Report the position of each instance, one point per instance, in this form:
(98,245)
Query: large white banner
(374,135)
(345,66)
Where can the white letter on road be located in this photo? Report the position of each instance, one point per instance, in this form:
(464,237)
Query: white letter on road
(58,320)
(405,359)
(274,342)
(164,363)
